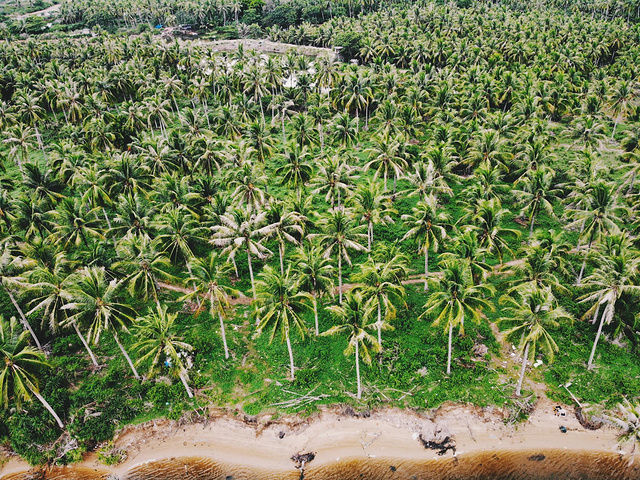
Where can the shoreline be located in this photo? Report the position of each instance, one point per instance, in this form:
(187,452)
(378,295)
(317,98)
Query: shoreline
(338,435)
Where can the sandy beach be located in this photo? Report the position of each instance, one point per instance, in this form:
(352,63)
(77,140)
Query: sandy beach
(336,434)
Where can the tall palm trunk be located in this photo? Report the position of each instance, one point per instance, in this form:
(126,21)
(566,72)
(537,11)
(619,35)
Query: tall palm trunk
(426,269)
(379,323)
(281,252)
(39,139)
(522,369)
(633,180)
(86,345)
(358,370)
(183,379)
(49,409)
(584,262)
(126,355)
(315,313)
(340,277)
(533,219)
(595,342)
(224,335)
(23,319)
(293,376)
(449,351)
(253,283)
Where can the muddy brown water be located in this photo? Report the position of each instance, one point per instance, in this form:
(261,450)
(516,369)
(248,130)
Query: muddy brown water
(498,465)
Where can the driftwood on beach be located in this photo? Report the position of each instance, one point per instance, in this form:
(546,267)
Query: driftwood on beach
(302,459)
(440,447)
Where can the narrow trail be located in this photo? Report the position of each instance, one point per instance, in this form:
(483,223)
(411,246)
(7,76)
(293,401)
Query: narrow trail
(241,300)
(265,46)
(417,278)
(47,12)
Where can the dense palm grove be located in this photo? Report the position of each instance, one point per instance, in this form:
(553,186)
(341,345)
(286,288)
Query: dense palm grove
(181,228)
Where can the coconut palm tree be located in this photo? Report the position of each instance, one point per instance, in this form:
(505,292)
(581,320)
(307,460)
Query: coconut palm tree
(280,304)
(540,268)
(456,299)
(243,230)
(386,157)
(373,207)
(287,227)
(335,176)
(315,274)
(627,418)
(535,192)
(615,275)
(46,284)
(179,234)
(427,228)
(466,246)
(143,266)
(528,317)
(93,299)
(295,171)
(354,315)
(207,275)
(20,363)
(598,214)
(11,265)
(488,222)
(340,234)
(159,342)
(381,282)
(74,225)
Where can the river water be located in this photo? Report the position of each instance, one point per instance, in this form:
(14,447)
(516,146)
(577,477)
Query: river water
(498,465)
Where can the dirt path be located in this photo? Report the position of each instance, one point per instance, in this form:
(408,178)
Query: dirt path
(47,12)
(414,279)
(265,46)
(241,300)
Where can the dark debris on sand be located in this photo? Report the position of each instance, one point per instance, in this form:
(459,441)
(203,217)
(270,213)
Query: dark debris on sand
(440,447)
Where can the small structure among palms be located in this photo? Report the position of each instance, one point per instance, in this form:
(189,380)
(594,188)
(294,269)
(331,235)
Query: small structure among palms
(159,342)
(354,315)
(528,316)
(19,360)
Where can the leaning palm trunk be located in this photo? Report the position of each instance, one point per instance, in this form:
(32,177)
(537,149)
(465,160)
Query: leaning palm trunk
(358,371)
(315,313)
(449,350)
(39,139)
(86,345)
(595,342)
(340,278)
(522,369)
(379,323)
(224,336)
(253,283)
(584,262)
(126,355)
(183,379)
(533,219)
(426,269)
(281,252)
(23,319)
(49,409)
(293,377)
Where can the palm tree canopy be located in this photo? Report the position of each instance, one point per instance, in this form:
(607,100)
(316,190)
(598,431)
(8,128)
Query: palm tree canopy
(280,304)
(20,363)
(456,298)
